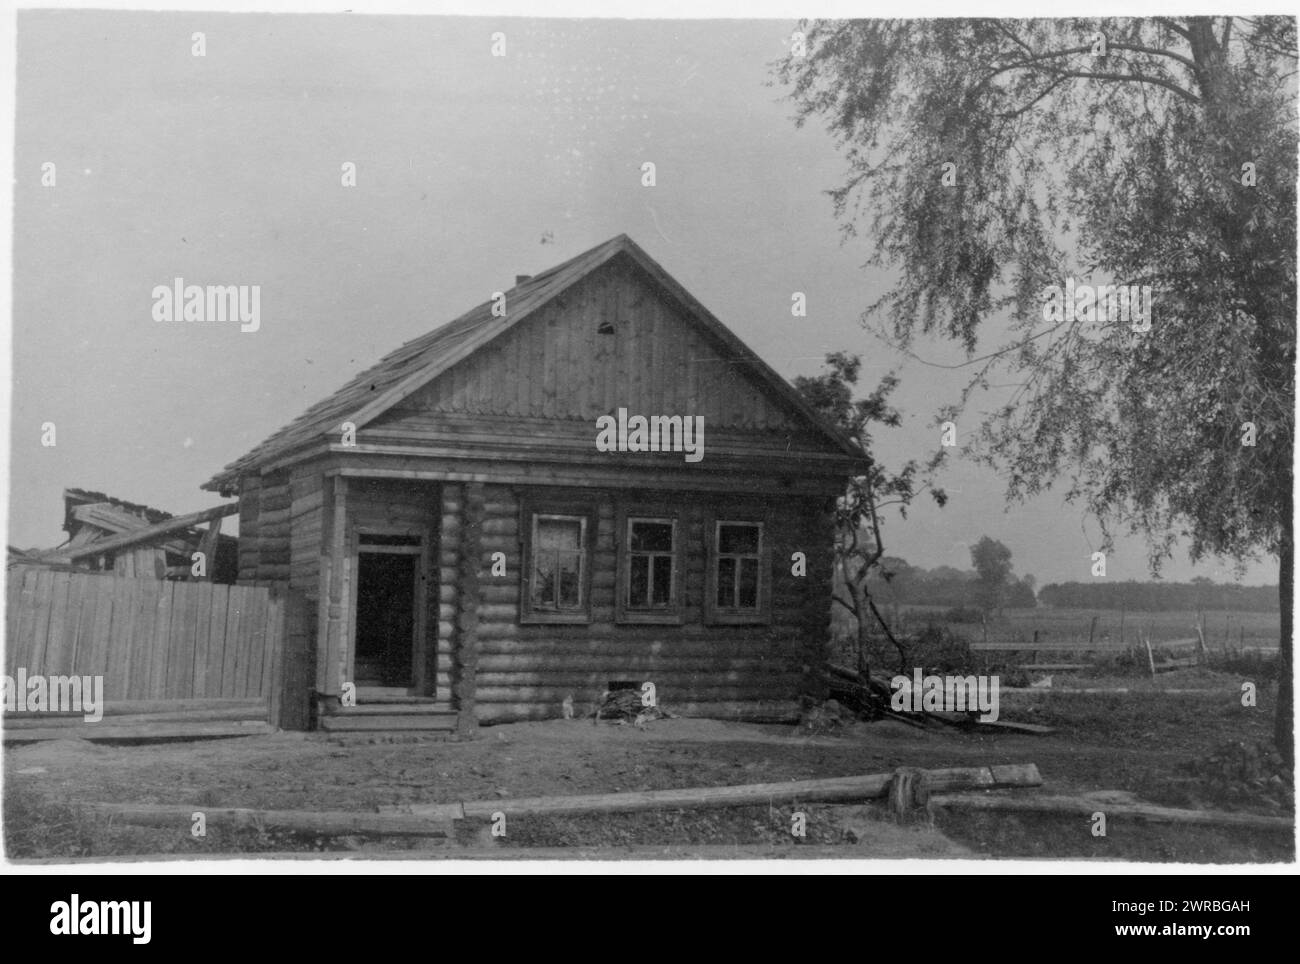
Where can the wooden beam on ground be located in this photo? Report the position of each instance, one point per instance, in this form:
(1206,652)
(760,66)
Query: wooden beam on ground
(333,823)
(1033,729)
(1087,806)
(252,705)
(435,820)
(37,721)
(868,787)
(140,731)
(149,533)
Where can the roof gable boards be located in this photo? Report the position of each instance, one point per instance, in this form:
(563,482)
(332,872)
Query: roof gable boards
(612,341)
(666,351)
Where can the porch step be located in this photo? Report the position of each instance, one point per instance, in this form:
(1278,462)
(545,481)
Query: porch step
(381,710)
(397,699)
(387,708)
(424,722)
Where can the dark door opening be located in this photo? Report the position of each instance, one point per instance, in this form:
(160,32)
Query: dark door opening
(385,624)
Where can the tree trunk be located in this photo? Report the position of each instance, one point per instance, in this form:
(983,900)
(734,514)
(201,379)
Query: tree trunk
(861,612)
(1283,734)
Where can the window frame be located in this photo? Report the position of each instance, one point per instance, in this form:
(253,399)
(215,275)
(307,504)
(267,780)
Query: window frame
(672,614)
(530,513)
(761,614)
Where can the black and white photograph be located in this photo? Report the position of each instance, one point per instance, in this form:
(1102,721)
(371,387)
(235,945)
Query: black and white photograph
(639,437)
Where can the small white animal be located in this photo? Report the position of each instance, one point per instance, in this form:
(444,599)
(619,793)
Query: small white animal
(568,707)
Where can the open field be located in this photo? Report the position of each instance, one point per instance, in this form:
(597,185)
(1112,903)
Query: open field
(1172,749)
(1073,629)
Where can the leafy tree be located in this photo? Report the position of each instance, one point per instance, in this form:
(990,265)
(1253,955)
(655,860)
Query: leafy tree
(992,562)
(1020,594)
(859,546)
(993,159)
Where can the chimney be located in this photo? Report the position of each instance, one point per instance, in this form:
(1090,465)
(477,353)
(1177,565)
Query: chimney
(521,278)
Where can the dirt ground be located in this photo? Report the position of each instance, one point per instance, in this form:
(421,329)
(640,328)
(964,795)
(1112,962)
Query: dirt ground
(1172,749)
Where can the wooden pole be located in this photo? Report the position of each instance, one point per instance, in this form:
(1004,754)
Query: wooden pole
(336,823)
(1151,659)
(178,730)
(873,786)
(44,721)
(1202,654)
(1092,630)
(435,820)
(334,666)
(241,707)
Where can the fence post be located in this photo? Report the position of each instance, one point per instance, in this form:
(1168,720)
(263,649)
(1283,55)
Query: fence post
(296,672)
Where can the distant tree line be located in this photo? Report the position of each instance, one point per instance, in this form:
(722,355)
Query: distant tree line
(898,583)
(1200,593)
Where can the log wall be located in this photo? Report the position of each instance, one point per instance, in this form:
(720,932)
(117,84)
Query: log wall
(750,671)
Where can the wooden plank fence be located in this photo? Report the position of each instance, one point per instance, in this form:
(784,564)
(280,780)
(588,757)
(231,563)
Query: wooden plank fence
(149,639)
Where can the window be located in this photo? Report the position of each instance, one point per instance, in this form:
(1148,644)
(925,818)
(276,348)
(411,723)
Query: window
(559,564)
(649,571)
(556,541)
(740,547)
(739,576)
(651,563)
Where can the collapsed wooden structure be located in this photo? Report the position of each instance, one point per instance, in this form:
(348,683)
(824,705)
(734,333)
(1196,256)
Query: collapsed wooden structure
(107,534)
(472,555)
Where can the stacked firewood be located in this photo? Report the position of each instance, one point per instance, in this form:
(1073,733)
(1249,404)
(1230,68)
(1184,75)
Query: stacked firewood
(626,706)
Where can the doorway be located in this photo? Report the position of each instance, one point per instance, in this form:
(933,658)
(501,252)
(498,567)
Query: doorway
(388,624)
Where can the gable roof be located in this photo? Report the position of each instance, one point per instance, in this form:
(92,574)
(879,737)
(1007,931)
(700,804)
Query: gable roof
(419,361)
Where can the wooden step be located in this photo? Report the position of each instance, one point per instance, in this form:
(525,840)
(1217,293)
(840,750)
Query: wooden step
(387,709)
(389,699)
(433,722)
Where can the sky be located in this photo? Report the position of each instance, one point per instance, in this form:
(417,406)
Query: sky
(470,169)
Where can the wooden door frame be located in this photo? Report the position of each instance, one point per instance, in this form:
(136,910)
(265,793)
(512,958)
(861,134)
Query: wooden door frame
(421,685)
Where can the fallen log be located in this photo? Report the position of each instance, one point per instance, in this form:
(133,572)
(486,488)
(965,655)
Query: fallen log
(144,731)
(436,820)
(1033,729)
(252,705)
(35,721)
(437,823)
(1086,807)
(873,786)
